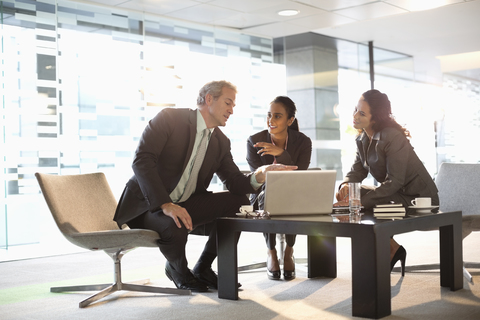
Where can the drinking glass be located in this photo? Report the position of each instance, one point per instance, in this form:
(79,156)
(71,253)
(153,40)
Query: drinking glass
(354,202)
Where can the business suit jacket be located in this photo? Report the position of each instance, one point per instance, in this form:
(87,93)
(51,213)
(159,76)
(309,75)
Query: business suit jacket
(298,152)
(392,161)
(161,157)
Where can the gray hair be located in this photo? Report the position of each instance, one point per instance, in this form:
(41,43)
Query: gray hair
(215,89)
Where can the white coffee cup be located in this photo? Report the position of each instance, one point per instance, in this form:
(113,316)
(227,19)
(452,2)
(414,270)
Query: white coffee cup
(246,209)
(422,202)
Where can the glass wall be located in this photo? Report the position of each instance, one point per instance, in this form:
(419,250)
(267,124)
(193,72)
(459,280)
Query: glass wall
(458,122)
(79,83)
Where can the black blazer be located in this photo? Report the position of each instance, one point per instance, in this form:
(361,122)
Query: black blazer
(298,152)
(161,157)
(391,160)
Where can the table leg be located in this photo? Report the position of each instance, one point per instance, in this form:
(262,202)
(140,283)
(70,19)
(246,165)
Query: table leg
(322,256)
(227,262)
(371,296)
(451,256)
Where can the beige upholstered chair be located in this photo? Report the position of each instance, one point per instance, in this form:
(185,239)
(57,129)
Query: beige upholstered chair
(457,185)
(83,207)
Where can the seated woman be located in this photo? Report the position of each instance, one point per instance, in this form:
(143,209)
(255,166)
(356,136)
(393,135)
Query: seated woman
(384,151)
(281,143)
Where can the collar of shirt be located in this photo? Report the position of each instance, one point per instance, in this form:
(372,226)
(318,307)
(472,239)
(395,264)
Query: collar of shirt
(201,125)
(364,137)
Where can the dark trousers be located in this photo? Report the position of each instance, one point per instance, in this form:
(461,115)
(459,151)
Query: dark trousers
(204,209)
(258,201)
(271,241)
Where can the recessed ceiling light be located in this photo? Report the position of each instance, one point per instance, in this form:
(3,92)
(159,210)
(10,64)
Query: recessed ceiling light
(288,12)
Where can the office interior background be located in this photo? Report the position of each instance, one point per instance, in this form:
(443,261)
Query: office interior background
(80,80)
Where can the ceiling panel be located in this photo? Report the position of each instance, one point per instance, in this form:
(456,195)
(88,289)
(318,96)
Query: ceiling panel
(371,11)
(203,13)
(157,7)
(416,5)
(244,5)
(442,31)
(243,20)
(321,20)
(272,11)
(330,5)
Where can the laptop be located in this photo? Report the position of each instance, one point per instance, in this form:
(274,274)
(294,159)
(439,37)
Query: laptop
(299,192)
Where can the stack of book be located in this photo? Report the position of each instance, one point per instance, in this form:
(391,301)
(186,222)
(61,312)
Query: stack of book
(388,211)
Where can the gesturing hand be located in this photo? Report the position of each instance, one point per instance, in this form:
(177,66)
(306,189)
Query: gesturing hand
(178,214)
(268,148)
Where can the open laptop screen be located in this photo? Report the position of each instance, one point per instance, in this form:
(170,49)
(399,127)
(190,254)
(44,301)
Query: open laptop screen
(299,192)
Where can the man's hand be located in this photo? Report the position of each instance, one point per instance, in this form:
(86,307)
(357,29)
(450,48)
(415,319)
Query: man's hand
(268,148)
(261,172)
(178,214)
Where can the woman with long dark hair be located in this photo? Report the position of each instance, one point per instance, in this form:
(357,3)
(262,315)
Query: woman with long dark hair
(384,151)
(280,143)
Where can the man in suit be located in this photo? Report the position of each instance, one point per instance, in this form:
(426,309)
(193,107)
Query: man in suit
(168,191)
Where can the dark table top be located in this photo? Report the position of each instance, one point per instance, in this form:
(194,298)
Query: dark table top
(304,224)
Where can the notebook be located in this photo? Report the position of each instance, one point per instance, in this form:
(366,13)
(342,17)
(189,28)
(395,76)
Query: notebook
(299,192)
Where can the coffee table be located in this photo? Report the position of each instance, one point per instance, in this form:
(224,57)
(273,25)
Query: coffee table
(371,292)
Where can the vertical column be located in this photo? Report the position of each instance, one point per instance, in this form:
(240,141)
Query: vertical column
(312,82)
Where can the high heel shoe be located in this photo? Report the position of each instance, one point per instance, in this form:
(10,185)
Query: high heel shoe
(288,255)
(289,274)
(275,274)
(401,255)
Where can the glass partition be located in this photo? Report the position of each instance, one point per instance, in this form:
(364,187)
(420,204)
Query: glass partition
(80,82)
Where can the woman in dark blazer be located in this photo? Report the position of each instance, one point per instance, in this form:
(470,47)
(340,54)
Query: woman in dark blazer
(384,151)
(280,143)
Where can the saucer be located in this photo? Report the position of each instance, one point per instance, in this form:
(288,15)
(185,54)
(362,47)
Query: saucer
(423,209)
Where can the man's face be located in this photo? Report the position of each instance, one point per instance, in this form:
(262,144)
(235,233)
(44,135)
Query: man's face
(220,109)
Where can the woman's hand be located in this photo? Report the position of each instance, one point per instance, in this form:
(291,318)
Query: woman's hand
(342,194)
(268,148)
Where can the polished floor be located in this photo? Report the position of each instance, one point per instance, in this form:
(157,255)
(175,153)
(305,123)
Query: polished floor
(24,286)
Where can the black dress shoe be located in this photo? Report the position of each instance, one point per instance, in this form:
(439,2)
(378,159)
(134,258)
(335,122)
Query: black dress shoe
(209,278)
(187,281)
(273,275)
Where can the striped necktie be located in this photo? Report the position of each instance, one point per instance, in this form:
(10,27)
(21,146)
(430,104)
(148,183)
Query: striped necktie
(197,163)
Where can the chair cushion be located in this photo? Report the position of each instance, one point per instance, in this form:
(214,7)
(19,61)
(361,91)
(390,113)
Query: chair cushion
(113,239)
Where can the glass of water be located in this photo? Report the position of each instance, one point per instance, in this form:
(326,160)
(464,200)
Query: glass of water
(354,202)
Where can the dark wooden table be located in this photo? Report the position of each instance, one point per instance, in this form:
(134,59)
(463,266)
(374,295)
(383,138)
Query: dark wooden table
(371,292)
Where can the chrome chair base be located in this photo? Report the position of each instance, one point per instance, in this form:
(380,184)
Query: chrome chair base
(118,285)
(436,266)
